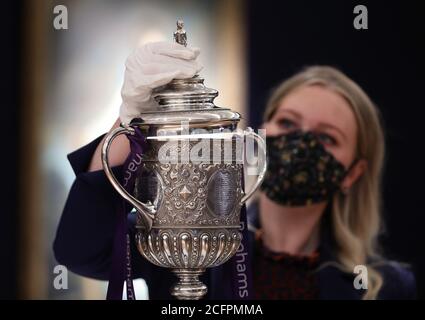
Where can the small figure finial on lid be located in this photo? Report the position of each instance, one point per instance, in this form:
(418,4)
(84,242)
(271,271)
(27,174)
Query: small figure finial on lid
(180,35)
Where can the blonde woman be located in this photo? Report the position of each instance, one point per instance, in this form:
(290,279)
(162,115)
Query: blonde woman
(319,209)
(316,220)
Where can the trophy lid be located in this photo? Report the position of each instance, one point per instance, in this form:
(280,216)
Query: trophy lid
(186,99)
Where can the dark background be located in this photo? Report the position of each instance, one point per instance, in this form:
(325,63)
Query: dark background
(10,75)
(387,60)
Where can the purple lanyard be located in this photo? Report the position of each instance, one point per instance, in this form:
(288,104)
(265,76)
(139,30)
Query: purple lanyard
(121,256)
(241,262)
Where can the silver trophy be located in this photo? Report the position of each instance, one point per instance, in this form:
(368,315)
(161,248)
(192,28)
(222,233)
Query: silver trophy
(188,211)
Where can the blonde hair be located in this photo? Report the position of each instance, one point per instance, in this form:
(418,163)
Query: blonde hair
(355,216)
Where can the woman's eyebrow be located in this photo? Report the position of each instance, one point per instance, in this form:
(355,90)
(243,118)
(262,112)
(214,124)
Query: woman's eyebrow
(329,126)
(293,112)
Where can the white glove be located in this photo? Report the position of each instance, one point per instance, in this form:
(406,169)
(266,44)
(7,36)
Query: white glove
(150,66)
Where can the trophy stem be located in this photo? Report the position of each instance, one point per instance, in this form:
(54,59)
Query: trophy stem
(189,286)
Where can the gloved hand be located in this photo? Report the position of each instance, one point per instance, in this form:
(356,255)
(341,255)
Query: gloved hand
(150,66)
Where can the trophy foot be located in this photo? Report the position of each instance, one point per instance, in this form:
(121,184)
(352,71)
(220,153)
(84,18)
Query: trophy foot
(189,286)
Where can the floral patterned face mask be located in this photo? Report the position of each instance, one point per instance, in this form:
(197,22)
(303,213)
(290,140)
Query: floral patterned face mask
(299,170)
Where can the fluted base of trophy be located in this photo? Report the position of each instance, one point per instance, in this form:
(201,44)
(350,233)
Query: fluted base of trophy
(189,286)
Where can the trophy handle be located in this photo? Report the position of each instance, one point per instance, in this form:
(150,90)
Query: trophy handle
(147,210)
(261,146)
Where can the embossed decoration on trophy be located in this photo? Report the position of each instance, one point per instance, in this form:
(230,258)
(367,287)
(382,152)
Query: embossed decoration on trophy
(188,213)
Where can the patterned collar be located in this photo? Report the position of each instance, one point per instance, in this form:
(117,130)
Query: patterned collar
(311,259)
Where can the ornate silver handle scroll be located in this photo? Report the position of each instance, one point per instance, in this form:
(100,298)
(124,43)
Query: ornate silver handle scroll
(262,171)
(147,210)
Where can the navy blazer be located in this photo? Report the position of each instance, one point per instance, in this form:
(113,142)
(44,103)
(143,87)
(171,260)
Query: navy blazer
(86,229)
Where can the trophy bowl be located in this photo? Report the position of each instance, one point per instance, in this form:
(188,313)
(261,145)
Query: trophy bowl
(188,187)
(188,214)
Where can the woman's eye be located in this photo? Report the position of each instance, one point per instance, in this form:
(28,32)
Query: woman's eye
(327,139)
(286,124)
